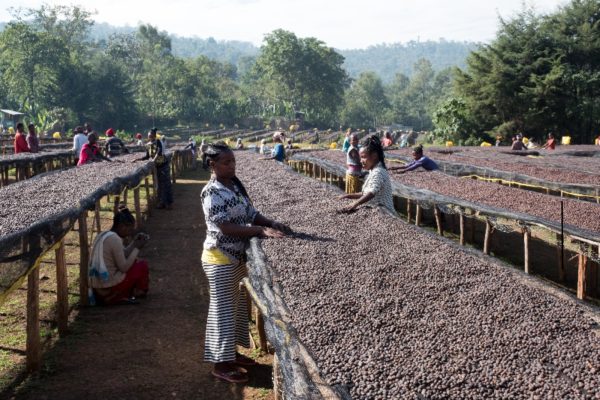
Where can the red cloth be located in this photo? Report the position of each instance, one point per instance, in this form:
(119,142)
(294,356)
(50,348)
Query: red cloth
(551,144)
(84,157)
(110,132)
(386,142)
(136,280)
(21,144)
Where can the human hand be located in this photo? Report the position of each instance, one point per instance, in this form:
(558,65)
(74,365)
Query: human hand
(347,209)
(281,227)
(272,233)
(140,240)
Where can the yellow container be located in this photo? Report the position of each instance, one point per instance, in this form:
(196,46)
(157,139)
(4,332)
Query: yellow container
(56,135)
(485,144)
(565,140)
(449,143)
(333,146)
(525,140)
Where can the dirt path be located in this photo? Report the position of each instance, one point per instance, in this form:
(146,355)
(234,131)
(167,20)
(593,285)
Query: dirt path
(152,350)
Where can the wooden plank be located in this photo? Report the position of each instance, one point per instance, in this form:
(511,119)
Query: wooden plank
(419,215)
(97,218)
(148,199)
(84,257)
(408,211)
(582,276)
(116,202)
(62,290)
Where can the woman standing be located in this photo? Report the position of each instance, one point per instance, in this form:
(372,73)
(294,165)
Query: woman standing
(231,220)
(377,189)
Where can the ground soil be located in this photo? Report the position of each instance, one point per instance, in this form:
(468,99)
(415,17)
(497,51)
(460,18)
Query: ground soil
(153,350)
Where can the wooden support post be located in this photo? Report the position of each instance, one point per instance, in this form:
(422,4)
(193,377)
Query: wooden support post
(582,276)
(126,197)
(97,217)
(148,198)
(116,202)
(260,328)
(84,259)
(561,261)
(487,238)
(138,208)
(461,222)
(277,379)
(526,247)
(33,352)
(438,221)
(408,211)
(62,290)
(419,215)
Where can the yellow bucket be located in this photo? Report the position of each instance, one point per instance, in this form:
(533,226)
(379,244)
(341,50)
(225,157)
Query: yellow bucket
(565,140)
(485,144)
(449,143)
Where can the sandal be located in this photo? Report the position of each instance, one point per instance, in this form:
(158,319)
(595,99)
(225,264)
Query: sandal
(244,361)
(232,376)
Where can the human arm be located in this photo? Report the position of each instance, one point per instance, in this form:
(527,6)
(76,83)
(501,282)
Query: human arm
(362,199)
(244,231)
(122,257)
(351,196)
(261,220)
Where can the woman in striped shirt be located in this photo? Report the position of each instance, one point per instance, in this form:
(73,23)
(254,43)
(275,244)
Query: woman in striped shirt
(231,220)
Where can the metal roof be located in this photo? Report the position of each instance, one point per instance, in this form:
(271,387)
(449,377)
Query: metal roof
(11,112)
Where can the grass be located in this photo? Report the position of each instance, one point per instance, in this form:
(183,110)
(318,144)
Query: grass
(13,314)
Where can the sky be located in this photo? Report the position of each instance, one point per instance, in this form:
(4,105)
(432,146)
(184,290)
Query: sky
(343,24)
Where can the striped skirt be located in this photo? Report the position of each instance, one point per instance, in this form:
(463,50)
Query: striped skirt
(353,183)
(227,323)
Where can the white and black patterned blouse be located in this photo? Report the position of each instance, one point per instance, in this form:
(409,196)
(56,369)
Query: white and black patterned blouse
(378,182)
(221,204)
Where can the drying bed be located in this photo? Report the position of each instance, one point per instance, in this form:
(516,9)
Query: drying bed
(580,214)
(389,311)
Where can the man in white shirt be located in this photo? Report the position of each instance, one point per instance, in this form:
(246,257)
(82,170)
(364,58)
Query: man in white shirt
(79,140)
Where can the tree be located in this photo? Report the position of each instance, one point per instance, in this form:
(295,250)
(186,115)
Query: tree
(365,102)
(300,74)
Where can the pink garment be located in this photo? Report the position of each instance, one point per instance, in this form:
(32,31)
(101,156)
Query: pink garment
(84,157)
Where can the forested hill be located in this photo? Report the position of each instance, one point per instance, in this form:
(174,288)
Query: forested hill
(388,59)
(384,59)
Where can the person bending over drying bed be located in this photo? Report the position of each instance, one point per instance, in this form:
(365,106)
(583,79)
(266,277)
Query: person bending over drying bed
(278,152)
(116,275)
(419,160)
(90,152)
(231,220)
(377,189)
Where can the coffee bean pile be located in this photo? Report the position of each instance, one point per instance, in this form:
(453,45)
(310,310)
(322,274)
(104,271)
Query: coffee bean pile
(515,165)
(577,213)
(391,312)
(33,156)
(33,200)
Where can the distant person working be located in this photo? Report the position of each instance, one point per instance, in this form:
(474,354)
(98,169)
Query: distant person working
(419,160)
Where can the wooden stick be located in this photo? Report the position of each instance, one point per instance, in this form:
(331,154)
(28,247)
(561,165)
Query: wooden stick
(438,221)
(116,202)
(62,290)
(419,215)
(33,352)
(582,276)
(277,383)
(97,217)
(260,328)
(84,258)
(526,240)
(561,261)
(126,196)
(461,222)
(138,208)
(147,190)
(487,237)
(408,211)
